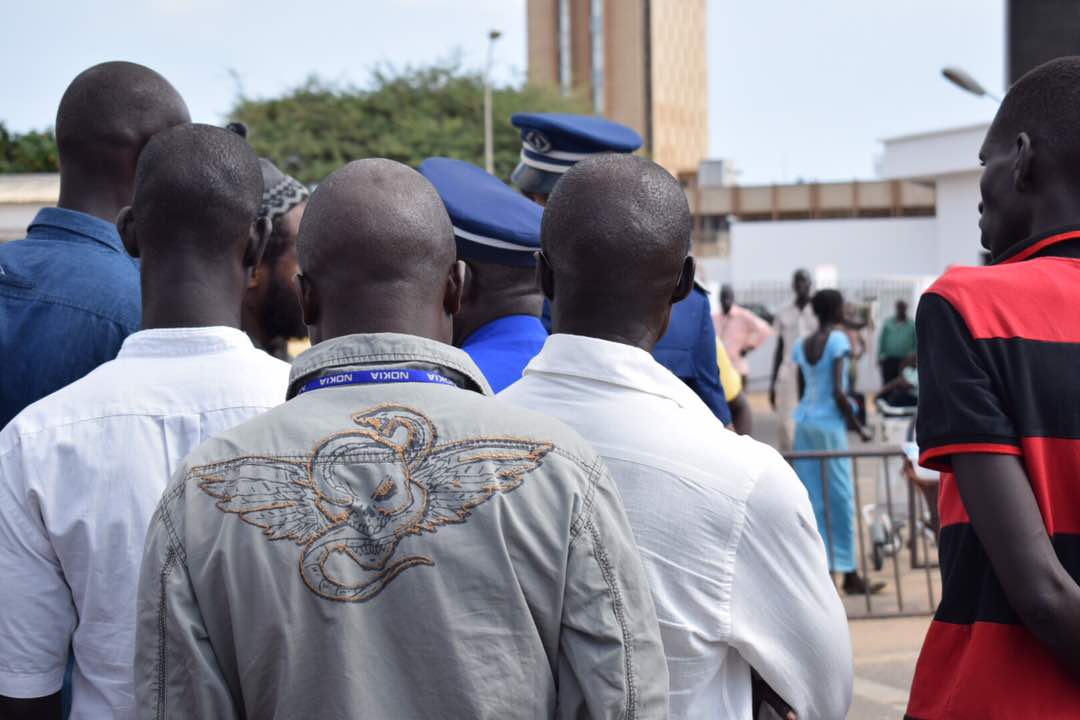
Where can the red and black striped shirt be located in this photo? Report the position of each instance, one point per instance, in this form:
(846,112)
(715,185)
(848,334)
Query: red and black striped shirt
(999,372)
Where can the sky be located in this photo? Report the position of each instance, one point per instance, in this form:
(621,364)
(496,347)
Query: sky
(797,89)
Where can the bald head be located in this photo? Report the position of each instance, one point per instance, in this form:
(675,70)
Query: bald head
(194,223)
(198,189)
(376,249)
(107,115)
(616,238)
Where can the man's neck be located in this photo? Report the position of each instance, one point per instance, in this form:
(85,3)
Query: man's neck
(174,296)
(102,199)
(497,307)
(801,302)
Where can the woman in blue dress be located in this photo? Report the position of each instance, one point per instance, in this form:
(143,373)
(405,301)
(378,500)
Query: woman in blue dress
(821,422)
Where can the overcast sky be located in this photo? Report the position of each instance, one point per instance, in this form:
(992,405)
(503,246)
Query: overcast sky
(797,89)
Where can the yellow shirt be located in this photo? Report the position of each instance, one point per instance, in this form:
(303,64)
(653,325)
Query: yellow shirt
(729,377)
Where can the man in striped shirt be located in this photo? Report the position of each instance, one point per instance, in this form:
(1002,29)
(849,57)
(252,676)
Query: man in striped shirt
(999,416)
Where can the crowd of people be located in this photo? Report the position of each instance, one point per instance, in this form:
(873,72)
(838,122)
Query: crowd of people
(194,524)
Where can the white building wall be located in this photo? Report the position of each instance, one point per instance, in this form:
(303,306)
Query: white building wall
(958,220)
(858,248)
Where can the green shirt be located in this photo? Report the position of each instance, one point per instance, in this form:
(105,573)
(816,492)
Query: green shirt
(897,339)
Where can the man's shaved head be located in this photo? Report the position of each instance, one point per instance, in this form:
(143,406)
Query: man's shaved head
(194,223)
(616,238)
(115,106)
(376,246)
(107,115)
(197,185)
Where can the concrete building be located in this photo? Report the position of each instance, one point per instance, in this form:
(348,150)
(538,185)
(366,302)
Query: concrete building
(21,196)
(639,62)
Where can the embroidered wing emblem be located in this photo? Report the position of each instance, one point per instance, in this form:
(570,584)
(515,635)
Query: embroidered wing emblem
(360,493)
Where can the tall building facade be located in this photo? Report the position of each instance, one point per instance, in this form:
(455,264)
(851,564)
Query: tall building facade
(1040,30)
(639,62)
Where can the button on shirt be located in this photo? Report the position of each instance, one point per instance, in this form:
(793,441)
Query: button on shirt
(69,295)
(80,474)
(725,529)
(503,347)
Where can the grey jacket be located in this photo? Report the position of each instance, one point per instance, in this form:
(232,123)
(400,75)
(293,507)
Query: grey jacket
(399,550)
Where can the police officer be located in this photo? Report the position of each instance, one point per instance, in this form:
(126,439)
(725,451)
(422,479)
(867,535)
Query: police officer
(551,143)
(497,233)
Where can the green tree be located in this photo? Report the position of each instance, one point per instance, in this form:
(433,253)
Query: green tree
(406,115)
(30,152)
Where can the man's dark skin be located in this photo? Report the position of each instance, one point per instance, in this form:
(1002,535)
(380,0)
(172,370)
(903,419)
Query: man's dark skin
(359,224)
(800,284)
(107,115)
(622,297)
(494,291)
(1027,187)
(271,312)
(901,311)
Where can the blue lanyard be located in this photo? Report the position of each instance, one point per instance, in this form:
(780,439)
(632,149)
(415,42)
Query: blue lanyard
(376,377)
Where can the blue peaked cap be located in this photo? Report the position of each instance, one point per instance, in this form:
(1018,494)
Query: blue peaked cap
(552,143)
(492,223)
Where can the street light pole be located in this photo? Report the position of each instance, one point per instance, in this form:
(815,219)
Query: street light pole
(965,82)
(489,140)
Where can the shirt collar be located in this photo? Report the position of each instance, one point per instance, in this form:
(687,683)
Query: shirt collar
(1041,243)
(515,325)
(173,342)
(611,362)
(78,225)
(390,350)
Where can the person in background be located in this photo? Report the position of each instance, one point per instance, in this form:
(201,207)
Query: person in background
(793,322)
(896,343)
(999,418)
(69,294)
(272,314)
(726,532)
(497,232)
(393,541)
(740,330)
(742,416)
(82,469)
(552,143)
(821,420)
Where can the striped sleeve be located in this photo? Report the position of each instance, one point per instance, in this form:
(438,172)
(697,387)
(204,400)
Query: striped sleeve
(961,397)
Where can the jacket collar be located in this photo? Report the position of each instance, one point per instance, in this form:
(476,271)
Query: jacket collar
(78,225)
(1042,243)
(177,342)
(386,349)
(613,363)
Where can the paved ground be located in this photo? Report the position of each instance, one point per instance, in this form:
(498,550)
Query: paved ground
(885,649)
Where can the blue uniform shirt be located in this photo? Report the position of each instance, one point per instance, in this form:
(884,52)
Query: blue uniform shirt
(503,347)
(69,295)
(688,350)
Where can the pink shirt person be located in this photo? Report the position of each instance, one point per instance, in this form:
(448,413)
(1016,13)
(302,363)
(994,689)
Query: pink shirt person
(739,329)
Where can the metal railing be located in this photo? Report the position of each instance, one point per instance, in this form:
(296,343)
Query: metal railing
(915,507)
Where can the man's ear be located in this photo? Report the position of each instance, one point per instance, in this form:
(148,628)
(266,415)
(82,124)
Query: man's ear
(125,225)
(258,235)
(1022,166)
(455,288)
(309,299)
(545,276)
(685,282)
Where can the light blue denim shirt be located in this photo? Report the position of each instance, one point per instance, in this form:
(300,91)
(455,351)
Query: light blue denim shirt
(69,295)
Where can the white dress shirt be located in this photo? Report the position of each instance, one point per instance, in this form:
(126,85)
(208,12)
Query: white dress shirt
(725,529)
(81,472)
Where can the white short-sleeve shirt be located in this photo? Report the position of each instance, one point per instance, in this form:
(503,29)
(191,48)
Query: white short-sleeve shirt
(81,472)
(725,529)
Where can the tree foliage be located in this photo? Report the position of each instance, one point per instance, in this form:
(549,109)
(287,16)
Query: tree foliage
(406,115)
(30,152)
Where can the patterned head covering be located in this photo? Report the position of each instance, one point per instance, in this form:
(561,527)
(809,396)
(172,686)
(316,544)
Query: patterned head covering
(281,193)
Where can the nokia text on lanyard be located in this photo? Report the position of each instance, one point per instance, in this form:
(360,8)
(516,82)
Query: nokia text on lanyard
(377,376)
